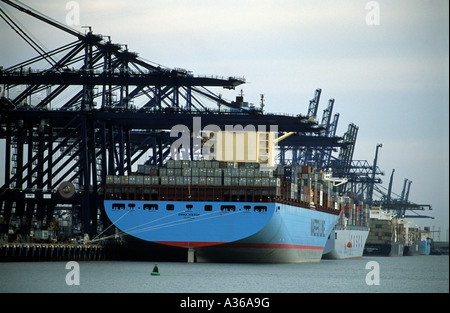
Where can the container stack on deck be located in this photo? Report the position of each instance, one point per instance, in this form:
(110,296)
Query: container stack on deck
(386,231)
(203,180)
(353,214)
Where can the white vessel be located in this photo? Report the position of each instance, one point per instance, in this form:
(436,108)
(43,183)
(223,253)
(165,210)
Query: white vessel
(349,236)
(348,243)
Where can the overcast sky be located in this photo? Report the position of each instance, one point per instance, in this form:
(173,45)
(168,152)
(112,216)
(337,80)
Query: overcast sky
(390,79)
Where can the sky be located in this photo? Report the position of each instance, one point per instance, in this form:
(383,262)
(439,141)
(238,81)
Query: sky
(386,64)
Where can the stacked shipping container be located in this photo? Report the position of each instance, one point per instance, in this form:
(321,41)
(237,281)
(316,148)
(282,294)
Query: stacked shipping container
(294,183)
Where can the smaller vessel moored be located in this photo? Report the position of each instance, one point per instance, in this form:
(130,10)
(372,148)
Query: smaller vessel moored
(386,236)
(349,236)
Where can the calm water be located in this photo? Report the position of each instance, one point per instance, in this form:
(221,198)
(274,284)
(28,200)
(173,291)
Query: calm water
(397,274)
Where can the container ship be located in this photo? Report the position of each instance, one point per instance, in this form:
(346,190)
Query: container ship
(348,237)
(386,235)
(222,211)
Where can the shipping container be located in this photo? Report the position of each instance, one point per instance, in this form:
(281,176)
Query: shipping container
(154,172)
(109,179)
(187,171)
(227,181)
(210,181)
(179,180)
(274,182)
(280,170)
(231,165)
(163,172)
(306,169)
(267,174)
(171,172)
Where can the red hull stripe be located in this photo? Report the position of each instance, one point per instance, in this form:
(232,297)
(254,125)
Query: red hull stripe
(198,244)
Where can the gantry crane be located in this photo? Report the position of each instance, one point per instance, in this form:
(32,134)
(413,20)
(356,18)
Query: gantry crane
(398,205)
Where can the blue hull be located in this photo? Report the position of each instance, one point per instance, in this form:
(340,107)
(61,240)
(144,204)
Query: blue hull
(228,231)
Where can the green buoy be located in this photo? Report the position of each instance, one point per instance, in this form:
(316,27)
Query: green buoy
(155,271)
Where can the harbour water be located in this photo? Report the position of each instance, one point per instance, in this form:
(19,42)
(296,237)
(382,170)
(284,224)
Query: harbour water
(417,274)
